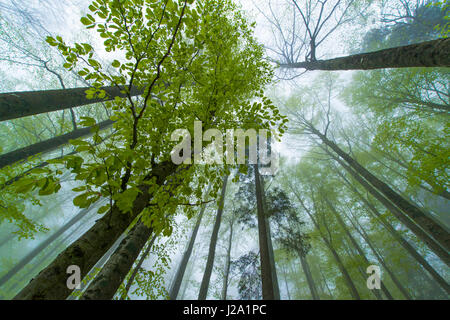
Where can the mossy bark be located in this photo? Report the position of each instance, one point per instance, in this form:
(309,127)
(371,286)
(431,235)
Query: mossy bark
(50,283)
(113,273)
(435,53)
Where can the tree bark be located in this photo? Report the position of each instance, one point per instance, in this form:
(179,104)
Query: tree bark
(107,282)
(50,283)
(227,264)
(138,266)
(268,291)
(95,269)
(276,288)
(47,145)
(434,53)
(419,232)
(365,236)
(212,245)
(440,235)
(15,105)
(348,280)
(358,249)
(42,246)
(405,244)
(175,288)
(309,277)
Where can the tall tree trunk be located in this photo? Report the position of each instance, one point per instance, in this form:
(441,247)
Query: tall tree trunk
(47,145)
(188,275)
(352,253)
(286,283)
(227,264)
(44,164)
(15,105)
(203,293)
(434,53)
(42,246)
(50,283)
(276,288)
(95,269)
(268,285)
(113,273)
(440,235)
(398,284)
(405,244)
(309,277)
(324,279)
(348,280)
(443,194)
(42,260)
(175,288)
(138,267)
(358,248)
(419,232)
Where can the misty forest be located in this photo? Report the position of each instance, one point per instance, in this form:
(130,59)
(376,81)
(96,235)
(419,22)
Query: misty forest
(353,97)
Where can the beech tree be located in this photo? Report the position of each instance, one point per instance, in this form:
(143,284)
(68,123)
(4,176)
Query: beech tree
(115,154)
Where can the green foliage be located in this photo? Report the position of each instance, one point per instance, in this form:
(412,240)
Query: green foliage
(444,27)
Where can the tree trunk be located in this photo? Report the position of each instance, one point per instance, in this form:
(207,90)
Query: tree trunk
(398,284)
(138,266)
(190,270)
(227,264)
(95,269)
(15,105)
(286,283)
(352,254)
(175,288)
(358,248)
(348,280)
(212,245)
(439,234)
(42,246)
(50,283)
(42,261)
(276,288)
(47,145)
(309,277)
(107,282)
(44,164)
(324,279)
(434,53)
(405,244)
(268,288)
(419,232)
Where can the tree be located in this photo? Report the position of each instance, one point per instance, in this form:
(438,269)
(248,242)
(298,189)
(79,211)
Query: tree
(186,255)
(124,177)
(212,246)
(248,267)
